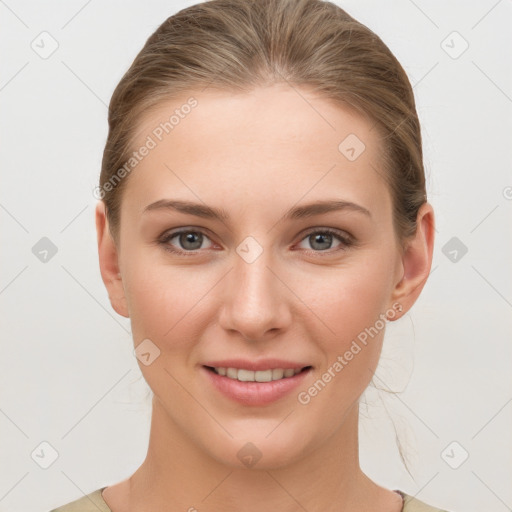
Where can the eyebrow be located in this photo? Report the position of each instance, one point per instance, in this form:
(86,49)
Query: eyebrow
(299,212)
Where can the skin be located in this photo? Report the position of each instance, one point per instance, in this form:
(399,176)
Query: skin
(257,155)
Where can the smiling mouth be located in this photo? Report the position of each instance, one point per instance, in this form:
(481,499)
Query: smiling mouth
(269,375)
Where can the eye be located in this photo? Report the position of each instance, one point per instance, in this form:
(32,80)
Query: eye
(191,240)
(188,239)
(322,240)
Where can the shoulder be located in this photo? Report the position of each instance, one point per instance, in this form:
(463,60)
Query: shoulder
(412,504)
(92,502)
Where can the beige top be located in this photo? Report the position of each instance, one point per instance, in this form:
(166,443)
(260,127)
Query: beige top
(94,502)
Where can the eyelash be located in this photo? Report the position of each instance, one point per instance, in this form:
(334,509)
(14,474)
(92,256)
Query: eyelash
(347,241)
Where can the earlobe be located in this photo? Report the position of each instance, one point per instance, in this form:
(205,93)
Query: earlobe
(109,262)
(416,261)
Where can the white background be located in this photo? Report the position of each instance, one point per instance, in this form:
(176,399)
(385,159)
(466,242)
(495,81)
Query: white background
(67,369)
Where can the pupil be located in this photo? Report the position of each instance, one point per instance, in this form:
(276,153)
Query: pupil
(187,238)
(325,238)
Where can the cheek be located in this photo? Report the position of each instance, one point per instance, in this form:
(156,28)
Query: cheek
(352,307)
(348,302)
(165,303)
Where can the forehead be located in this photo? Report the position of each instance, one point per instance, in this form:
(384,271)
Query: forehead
(274,144)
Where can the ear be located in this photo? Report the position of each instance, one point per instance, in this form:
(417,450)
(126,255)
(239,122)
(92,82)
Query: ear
(416,262)
(109,263)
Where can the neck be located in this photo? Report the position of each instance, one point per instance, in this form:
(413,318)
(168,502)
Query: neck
(177,475)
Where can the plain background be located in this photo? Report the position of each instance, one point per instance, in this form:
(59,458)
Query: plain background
(68,374)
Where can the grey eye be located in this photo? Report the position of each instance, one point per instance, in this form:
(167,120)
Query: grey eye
(187,240)
(323,240)
(191,240)
(320,241)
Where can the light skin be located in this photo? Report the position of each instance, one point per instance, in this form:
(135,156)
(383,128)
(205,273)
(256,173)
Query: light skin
(257,155)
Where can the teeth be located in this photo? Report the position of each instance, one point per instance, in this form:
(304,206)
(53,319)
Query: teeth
(245,375)
(277,373)
(257,376)
(263,375)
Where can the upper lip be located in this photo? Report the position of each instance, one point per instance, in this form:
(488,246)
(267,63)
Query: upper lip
(255,365)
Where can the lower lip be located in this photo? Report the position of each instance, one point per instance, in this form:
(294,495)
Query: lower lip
(254,393)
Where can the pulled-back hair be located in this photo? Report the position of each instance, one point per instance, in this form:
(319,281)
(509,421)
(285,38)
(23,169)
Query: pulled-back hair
(238,45)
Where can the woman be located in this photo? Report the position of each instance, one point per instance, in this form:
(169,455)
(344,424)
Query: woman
(263,214)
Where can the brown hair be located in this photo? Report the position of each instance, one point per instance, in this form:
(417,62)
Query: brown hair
(237,45)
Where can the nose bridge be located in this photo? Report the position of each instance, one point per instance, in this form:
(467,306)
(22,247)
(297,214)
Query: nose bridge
(255,301)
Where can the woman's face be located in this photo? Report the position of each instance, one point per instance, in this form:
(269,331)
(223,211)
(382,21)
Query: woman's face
(276,283)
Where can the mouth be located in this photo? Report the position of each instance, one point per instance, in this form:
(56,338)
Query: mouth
(268,375)
(255,387)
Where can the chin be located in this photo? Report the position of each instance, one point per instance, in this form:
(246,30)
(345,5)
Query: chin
(261,448)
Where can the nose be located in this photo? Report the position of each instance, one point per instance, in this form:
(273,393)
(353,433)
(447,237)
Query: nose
(255,299)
